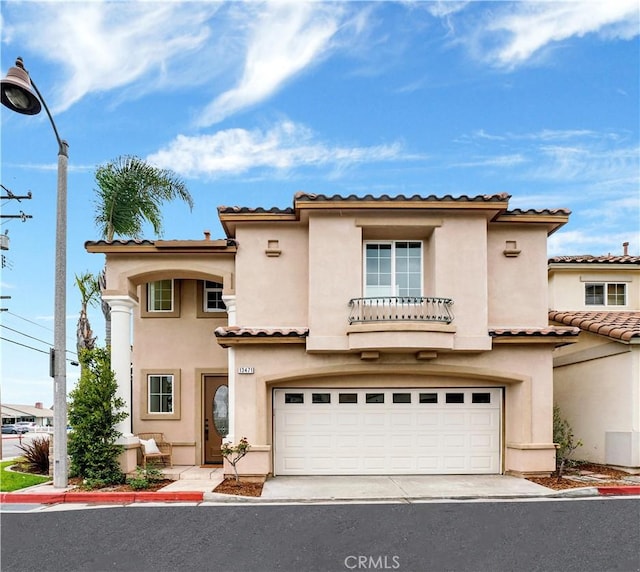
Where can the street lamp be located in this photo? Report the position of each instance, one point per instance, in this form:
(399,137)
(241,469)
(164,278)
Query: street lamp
(18,96)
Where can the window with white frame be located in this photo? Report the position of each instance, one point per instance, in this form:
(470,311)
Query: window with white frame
(212,297)
(160,296)
(605,294)
(160,396)
(393,268)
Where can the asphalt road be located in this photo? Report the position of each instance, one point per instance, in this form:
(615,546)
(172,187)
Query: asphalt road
(582,535)
(10,443)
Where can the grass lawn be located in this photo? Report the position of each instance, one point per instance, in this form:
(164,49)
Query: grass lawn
(10,481)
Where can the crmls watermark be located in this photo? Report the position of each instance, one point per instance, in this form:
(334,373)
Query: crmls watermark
(362,562)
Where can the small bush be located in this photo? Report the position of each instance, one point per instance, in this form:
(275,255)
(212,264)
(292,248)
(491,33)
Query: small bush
(36,455)
(565,441)
(233,453)
(145,478)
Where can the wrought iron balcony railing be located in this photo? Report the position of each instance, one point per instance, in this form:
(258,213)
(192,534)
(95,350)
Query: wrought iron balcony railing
(400,308)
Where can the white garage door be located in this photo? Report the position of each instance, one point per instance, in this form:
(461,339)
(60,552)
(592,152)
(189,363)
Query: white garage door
(387,431)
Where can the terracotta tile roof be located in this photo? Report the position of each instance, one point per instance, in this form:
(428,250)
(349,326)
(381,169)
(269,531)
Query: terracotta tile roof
(554,212)
(549,331)
(623,326)
(312,197)
(119,242)
(242,210)
(590,259)
(302,197)
(240,332)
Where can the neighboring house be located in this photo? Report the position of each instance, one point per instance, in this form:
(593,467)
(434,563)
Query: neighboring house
(35,413)
(345,335)
(597,380)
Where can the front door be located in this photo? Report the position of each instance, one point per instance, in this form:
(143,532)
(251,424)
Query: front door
(216,417)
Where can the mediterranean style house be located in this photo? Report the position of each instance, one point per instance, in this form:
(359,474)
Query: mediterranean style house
(597,380)
(344,335)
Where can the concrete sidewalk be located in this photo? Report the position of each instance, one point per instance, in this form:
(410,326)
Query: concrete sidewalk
(196,484)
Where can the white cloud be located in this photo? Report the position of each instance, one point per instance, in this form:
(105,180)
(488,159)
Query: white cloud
(285,39)
(591,241)
(106,45)
(533,25)
(285,146)
(512,33)
(493,161)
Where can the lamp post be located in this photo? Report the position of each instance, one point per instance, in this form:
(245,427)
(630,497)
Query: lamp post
(18,96)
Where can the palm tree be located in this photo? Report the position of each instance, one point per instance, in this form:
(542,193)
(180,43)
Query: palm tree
(89,288)
(131,192)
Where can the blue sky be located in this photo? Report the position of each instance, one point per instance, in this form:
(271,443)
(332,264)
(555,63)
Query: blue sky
(251,102)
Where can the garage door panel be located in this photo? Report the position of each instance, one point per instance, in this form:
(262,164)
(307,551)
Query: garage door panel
(421,434)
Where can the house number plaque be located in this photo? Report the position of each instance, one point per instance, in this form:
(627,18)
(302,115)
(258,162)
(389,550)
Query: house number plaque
(246,369)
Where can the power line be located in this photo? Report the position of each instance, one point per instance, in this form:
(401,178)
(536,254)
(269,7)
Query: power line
(24,345)
(70,339)
(26,335)
(32,348)
(34,338)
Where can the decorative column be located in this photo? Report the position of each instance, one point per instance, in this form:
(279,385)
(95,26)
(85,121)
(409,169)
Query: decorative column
(121,317)
(230,303)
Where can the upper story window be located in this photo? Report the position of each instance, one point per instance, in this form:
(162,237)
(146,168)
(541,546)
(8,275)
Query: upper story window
(393,268)
(212,297)
(160,296)
(605,294)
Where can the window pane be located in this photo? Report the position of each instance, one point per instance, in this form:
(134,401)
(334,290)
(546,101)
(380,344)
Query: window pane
(294,398)
(321,398)
(455,398)
(616,294)
(375,398)
(221,411)
(348,398)
(160,393)
(402,398)
(212,297)
(428,398)
(160,296)
(594,294)
(481,398)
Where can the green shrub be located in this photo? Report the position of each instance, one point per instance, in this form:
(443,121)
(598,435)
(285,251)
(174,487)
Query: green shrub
(94,412)
(564,440)
(36,455)
(145,478)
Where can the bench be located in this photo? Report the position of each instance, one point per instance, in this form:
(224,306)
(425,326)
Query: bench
(164,449)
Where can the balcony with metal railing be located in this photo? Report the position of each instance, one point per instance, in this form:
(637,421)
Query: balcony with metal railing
(400,309)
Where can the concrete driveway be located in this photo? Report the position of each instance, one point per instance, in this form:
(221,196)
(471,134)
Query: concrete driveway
(393,488)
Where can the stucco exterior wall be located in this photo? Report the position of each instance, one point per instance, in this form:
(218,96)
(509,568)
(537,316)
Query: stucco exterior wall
(566,286)
(273,290)
(512,301)
(601,396)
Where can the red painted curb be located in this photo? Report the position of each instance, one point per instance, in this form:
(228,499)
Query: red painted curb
(101,498)
(35,498)
(624,490)
(168,496)
(90,496)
